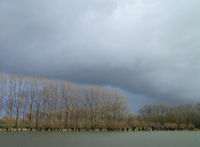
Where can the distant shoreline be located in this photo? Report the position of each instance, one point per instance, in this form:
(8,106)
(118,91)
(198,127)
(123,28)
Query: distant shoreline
(95,130)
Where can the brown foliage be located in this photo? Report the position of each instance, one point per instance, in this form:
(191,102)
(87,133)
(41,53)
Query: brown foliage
(174,125)
(171,126)
(154,125)
(135,123)
(122,124)
(183,126)
(112,124)
(167,125)
(88,124)
(143,124)
(52,123)
(151,124)
(190,126)
(157,125)
(7,122)
(101,124)
(80,124)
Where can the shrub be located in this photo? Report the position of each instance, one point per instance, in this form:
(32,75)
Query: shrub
(101,124)
(190,126)
(182,126)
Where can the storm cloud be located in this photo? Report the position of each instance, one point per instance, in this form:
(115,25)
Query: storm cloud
(148,49)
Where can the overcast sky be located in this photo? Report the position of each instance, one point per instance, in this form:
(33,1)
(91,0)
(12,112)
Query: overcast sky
(150,50)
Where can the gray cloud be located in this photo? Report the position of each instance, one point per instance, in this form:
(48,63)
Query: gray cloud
(145,48)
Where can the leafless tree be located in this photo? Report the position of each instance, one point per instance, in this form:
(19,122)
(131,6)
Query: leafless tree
(68,100)
(18,99)
(33,91)
(25,94)
(3,88)
(85,105)
(47,103)
(10,99)
(93,104)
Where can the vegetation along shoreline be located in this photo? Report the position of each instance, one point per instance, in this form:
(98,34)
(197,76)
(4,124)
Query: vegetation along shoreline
(41,104)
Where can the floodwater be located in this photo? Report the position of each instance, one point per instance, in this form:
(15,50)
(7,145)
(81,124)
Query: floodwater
(100,139)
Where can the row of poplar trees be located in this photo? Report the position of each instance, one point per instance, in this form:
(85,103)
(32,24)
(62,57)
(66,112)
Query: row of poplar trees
(58,104)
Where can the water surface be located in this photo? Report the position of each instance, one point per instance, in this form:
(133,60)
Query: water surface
(100,139)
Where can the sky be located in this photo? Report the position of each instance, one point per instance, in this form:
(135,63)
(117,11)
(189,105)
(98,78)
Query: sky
(149,50)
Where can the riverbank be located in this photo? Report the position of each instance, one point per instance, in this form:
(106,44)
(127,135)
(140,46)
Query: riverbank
(91,130)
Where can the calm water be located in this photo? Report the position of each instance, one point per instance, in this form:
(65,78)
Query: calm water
(100,139)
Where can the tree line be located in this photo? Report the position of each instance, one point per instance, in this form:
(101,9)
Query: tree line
(42,103)
(46,104)
(184,116)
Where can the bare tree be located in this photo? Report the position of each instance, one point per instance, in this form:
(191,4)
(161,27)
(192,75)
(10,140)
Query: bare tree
(77,97)
(67,97)
(18,100)
(61,102)
(39,101)
(25,94)
(108,106)
(33,95)
(94,92)
(3,86)
(46,104)
(50,104)
(10,99)
(102,103)
(55,106)
(85,104)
